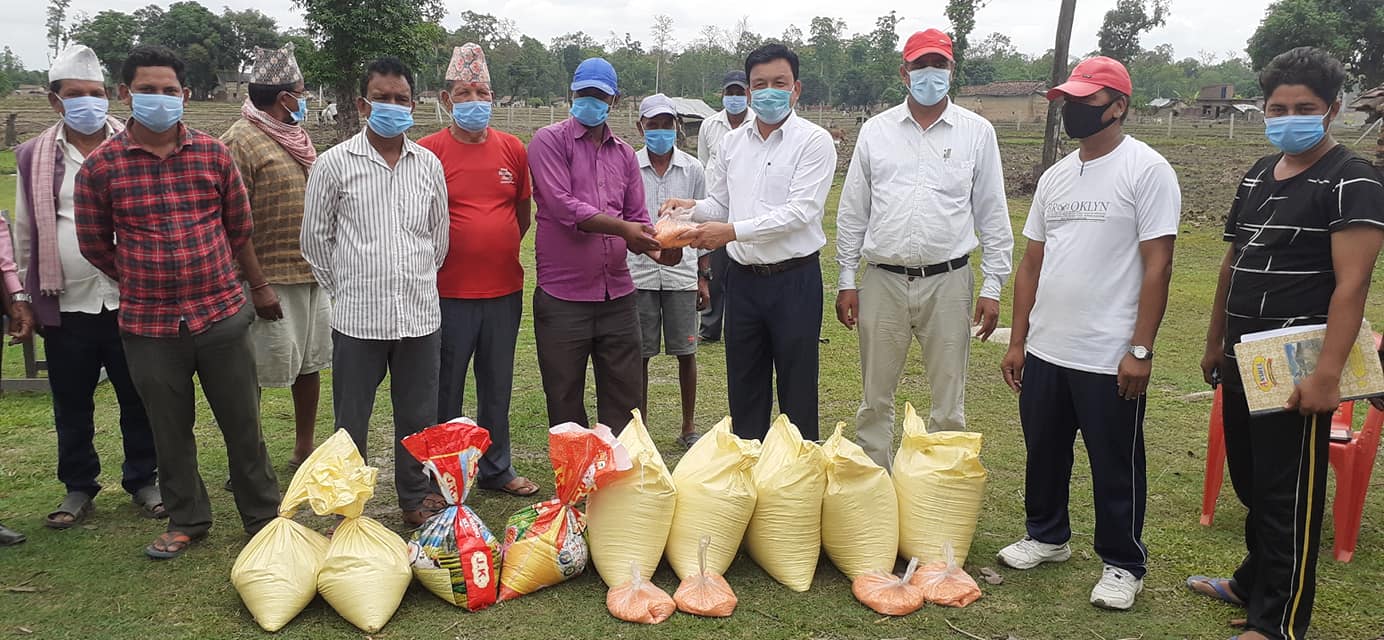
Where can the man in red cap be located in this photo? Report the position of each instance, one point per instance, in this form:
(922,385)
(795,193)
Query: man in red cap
(1088,298)
(924,182)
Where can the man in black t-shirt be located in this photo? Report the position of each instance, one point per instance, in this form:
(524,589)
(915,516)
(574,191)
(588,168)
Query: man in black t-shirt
(1304,232)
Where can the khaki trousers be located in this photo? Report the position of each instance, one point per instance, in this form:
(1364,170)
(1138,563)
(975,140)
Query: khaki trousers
(896,309)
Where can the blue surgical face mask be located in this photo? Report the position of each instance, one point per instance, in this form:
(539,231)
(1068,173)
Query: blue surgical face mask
(929,85)
(389,120)
(302,113)
(156,111)
(472,116)
(85,114)
(735,104)
(1295,134)
(771,105)
(590,111)
(660,141)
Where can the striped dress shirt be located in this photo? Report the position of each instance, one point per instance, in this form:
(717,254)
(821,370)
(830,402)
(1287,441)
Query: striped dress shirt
(375,238)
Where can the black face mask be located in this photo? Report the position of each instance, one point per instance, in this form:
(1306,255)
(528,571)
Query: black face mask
(1084,120)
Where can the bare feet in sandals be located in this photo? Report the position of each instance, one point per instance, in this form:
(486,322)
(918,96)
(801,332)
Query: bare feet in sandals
(75,508)
(150,502)
(431,504)
(1216,588)
(169,545)
(521,487)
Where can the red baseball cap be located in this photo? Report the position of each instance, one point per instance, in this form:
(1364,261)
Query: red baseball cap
(925,42)
(1092,75)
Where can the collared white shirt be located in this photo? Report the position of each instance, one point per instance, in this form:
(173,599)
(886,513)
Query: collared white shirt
(375,238)
(772,189)
(916,197)
(684,179)
(713,130)
(85,288)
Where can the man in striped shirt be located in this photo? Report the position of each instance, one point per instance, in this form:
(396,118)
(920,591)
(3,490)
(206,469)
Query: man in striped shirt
(375,231)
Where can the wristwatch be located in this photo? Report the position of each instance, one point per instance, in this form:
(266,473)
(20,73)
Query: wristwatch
(705,273)
(1141,353)
(22,297)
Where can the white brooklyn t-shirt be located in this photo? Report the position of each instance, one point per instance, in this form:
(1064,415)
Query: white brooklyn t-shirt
(1091,218)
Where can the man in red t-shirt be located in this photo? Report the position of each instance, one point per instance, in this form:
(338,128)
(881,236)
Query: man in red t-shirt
(481,283)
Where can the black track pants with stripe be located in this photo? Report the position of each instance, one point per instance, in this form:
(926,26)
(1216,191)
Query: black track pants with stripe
(1278,465)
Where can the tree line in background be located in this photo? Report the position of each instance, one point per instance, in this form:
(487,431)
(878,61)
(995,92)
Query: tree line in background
(838,68)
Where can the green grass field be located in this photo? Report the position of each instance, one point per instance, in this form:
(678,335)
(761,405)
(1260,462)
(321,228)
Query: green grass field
(95,582)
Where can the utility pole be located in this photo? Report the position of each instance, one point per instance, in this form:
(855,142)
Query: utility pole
(1059,75)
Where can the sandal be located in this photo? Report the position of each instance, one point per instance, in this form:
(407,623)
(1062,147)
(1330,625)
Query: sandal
(173,543)
(76,506)
(150,502)
(1220,589)
(431,505)
(523,489)
(689,439)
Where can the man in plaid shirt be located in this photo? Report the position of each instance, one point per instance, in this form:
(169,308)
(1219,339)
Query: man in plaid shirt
(173,197)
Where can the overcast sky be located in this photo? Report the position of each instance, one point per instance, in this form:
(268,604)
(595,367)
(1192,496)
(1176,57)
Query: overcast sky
(1194,26)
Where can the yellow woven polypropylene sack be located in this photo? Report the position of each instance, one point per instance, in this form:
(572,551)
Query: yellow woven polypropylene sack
(276,573)
(366,570)
(628,519)
(716,498)
(860,513)
(941,487)
(785,534)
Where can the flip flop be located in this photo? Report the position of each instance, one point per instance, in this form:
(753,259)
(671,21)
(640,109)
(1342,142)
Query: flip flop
(431,505)
(9,537)
(528,489)
(1220,587)
(689,439)
(75,504)
(150,502)
(175,544)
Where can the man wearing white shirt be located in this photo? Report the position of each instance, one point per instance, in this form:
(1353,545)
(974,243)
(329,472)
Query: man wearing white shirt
(925,179)
(1088,298)
(376,227)
(768,188)
(735,112)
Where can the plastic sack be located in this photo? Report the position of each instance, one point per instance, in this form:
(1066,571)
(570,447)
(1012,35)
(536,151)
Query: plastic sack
(276,573)
(945,583)
(941,486)
(628,519)
(544,543)
(785,534)
(638,600)
(860,513)
(453,554)
(705,594)
(366,570)
(889,594)
(716,498)
(669,229)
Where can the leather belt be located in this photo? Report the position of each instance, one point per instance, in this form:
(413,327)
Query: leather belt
(930,270)
(777,267)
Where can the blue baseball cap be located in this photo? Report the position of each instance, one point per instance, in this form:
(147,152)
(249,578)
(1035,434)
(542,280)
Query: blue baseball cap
(595,73)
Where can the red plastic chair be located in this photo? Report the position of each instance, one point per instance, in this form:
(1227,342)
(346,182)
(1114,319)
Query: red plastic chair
(1353,461)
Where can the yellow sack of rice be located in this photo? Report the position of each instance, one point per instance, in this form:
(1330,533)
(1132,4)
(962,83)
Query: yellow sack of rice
(785,534)
(276,573)
(716,498)
(629,518)
(366,570)
(860,513)
(941,486)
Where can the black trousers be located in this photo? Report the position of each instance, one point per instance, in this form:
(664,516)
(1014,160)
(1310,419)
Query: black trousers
(76,352)
(1278,466)
(1056,403)
(772,326)
(716,307)
(568,335)
(484,331)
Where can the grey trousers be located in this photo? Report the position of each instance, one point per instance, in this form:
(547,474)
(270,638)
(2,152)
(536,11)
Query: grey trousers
(358,368)
(221,357)
(485,330)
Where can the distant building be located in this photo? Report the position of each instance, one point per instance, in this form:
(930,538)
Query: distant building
(1372,104)
(1159,106)
(231,86)
(1022,101)
(1218,101)
(30,90)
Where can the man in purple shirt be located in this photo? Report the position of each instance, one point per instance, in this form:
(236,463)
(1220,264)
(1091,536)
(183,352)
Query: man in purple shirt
(591,211)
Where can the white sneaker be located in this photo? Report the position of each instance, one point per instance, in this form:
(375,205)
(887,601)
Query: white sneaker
(1116,589)
(1029,553)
